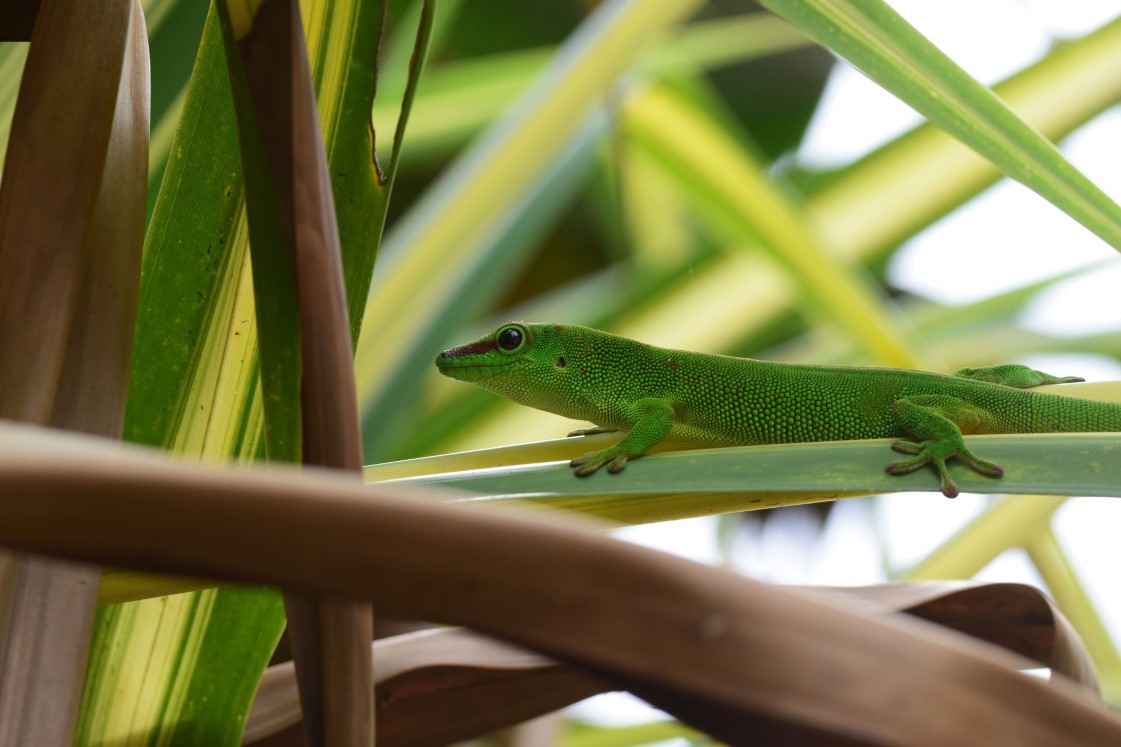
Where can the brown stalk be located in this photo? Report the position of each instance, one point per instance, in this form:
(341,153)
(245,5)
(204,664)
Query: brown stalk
(71,230)
(330,637)
(736,658)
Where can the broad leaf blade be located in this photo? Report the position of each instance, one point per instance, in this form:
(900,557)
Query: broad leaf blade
(193,390)
(767,476)
(195,386)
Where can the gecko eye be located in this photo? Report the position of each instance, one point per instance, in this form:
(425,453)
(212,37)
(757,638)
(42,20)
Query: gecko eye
(510,339)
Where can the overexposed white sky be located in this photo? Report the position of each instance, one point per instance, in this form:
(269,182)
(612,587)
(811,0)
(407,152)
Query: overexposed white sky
(990,39)
(1008,236)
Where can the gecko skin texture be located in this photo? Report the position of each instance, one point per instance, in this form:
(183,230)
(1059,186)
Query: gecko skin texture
(652,393)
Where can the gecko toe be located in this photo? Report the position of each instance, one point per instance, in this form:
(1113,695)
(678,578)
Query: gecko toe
(949,487)
(906,447)
(906,466)
(946,483)
(582,470)
(586,464)
(989,469)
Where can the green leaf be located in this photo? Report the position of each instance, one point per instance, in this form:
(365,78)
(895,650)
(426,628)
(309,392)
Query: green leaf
(174,27)
(345,100)
(194,390)
(272,231)
(635,734)
(696,482)
(461,98)
(13,55)
(156,667)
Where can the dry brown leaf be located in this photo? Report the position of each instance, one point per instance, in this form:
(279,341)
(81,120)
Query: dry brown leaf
(436,687)
(736,658)
(52,177)
(432,673)
(71,230)
(1017,617)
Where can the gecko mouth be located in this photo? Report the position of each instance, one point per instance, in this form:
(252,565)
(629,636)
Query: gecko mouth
(463,369)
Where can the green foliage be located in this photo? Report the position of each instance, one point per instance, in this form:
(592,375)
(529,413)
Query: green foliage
(195,386)
(184,397)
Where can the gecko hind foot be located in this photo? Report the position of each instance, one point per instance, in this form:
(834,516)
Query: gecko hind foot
(935,454)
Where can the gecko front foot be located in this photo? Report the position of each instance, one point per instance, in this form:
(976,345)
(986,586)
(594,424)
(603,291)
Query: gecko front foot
(935,453)
(586,464)
(652,418)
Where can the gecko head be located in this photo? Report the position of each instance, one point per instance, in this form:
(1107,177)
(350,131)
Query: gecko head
(528,363)
(512,347)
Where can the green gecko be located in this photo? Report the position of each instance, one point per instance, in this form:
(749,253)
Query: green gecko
(654,393)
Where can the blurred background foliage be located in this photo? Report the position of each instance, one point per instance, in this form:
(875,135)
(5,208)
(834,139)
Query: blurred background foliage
(640,214)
